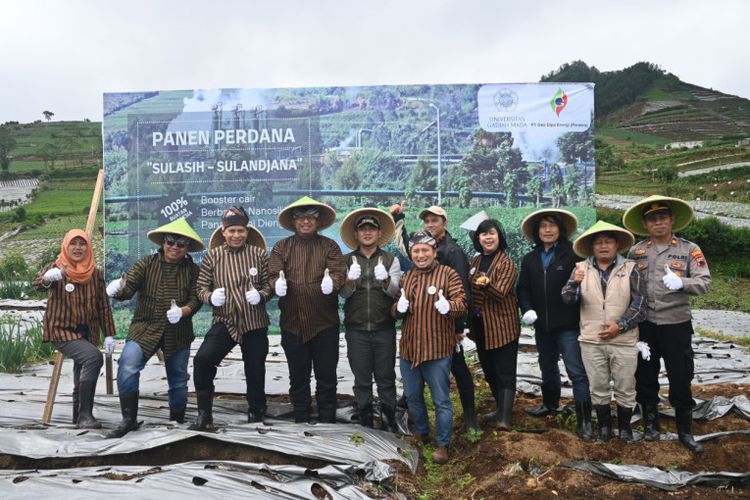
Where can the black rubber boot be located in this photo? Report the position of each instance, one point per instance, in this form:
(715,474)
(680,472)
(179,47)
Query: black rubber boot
(177,415)
(254,417)
(684,417)
(76,403)
(328,415)
(388,421)
(86,418)
(651,427)
(205,420)
(301,415)
(365,417)
(550,403)
(583,417)
(623,423)
(470,420)
(505,409)
(129,409)
(604,422)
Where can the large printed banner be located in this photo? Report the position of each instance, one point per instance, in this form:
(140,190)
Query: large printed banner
(503,148)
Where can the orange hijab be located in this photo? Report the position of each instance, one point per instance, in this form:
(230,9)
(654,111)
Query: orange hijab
(77,272)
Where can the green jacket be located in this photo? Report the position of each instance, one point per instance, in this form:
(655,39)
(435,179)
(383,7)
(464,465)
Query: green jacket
(368,305)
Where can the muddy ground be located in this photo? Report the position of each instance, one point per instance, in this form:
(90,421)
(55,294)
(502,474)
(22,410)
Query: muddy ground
(519,464)
(525,463)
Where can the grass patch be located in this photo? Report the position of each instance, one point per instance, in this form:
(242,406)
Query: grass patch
(743,341)
(18,349)
(728,293)
(621,137)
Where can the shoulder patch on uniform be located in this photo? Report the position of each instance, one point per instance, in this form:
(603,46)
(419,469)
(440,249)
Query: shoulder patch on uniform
(640,251)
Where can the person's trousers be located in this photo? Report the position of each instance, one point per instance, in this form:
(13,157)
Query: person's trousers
(464,379)
(436,373)
(133,360)
(550,347)
(87,358)
(217,344)
(605,362)
(373,354)
(499,365)
(673,343)
(321,355)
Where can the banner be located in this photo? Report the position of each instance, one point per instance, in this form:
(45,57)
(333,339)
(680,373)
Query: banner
(503,148)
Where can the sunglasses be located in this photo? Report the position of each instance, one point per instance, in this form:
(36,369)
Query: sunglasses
(178,242)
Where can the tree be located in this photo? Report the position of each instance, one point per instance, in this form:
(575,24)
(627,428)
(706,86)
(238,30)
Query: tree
(7,143)
(49,153)
(534,184)
(577,148)
(48,115)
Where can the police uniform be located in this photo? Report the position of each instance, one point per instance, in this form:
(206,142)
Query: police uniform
(668,327)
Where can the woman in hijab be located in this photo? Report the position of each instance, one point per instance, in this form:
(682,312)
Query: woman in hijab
(77,309)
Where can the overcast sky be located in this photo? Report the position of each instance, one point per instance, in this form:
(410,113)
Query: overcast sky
(62,55)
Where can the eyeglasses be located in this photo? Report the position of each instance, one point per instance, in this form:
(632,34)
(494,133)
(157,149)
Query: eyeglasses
(178,242)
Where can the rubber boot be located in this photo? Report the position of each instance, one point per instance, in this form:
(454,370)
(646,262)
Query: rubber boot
(301,415)
(365,417)
(177,415)
(652,429)
(205,420)
(623,423)
(470,420)
(583,417)
(604,422)
(388,422)
(493,414)
(505,409)
(86,418)
(129,409)
(328,415)
(254,417)
(684,417)
(76,403)
(550,403)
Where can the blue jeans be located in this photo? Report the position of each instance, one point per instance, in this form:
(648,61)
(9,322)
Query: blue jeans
(436,373)
(131,362)
(550,346)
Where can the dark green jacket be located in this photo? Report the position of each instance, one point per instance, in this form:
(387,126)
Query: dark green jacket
(368,306)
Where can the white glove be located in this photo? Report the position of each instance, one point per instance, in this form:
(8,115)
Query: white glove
(403,303)
(252,296)
(281,285)
(174,313)
(109,345)
(326,285)
(114,287)
(529,317)
(442,305)
(218,297)
(54,274)
(671,280)
(644,349)
(380,272)
(355,271)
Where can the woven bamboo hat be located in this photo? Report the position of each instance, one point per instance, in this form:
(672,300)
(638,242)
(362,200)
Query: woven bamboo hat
(367,216)
(582,245)
(326,218)
(633,217)
(254,237)
(569,220)
(179,227)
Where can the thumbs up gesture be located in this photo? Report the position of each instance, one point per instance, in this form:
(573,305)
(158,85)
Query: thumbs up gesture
(252,296)
(280,287)
(355,271)
(403,303)
(116,286)
(174,313)
(380,272)
(53,274)
(580,272)
(671,280)
(326,286)
(218,297)
(442,305)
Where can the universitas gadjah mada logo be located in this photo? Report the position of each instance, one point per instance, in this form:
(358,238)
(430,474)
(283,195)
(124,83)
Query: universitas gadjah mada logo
(559,101)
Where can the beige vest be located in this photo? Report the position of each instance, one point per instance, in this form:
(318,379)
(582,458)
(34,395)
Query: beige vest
(596,310)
